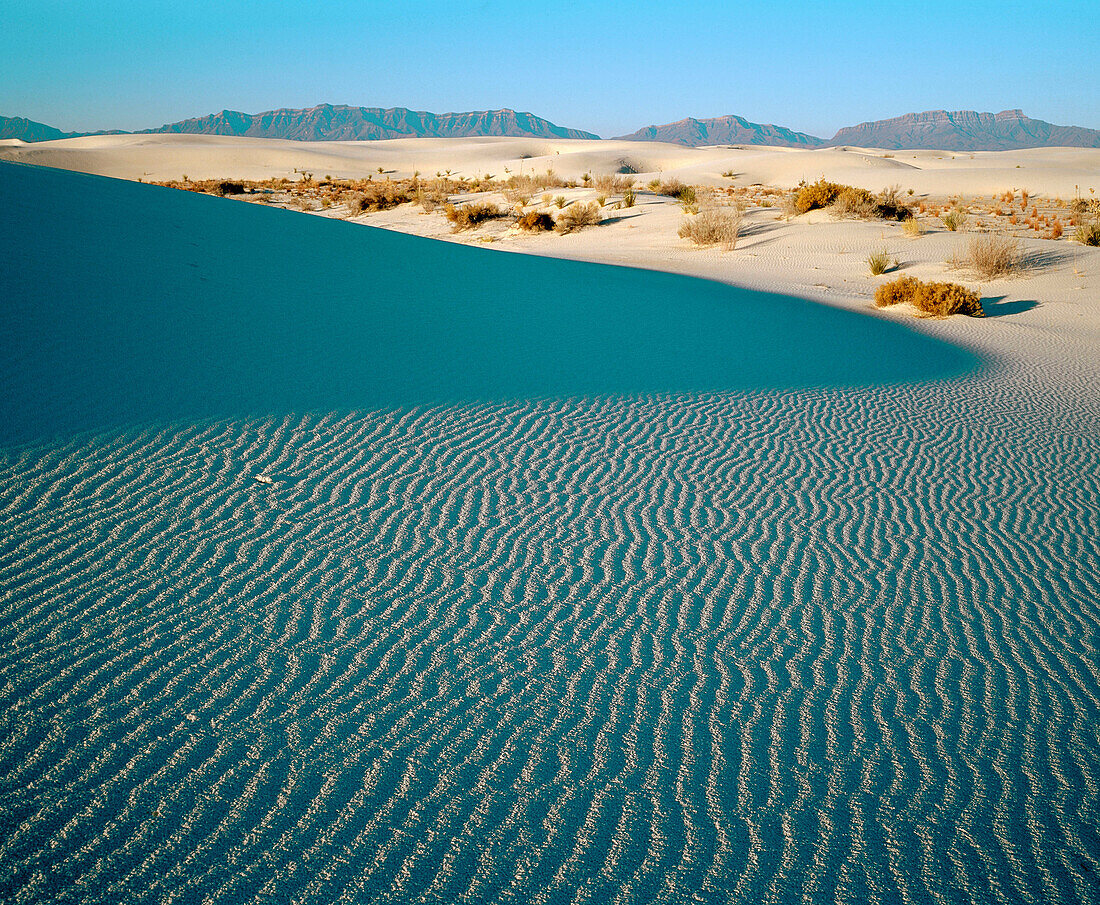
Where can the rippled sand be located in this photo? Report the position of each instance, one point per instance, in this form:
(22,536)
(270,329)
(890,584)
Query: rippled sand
(828,642)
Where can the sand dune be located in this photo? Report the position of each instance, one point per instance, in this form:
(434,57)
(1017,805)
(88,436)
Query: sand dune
(624,619)
(1051,171)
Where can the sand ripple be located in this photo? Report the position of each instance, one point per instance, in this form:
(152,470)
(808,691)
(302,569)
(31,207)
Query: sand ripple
(805,646)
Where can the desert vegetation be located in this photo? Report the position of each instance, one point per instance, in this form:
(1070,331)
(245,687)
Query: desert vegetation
(577,216)
(470,216)
(880,261)
(535,222)
(850,201)
(714,226)
(930,299)
(994,255)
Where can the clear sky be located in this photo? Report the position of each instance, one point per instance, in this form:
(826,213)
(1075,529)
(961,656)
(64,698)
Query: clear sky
(608,67)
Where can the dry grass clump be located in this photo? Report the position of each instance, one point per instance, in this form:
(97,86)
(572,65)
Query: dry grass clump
(520,186)
(535,222)
(577,216)
(470,216)
(673,188)
(380,196)
(913,228)
(880,262)
(715,226)
(612,184)
(930,299)
(994,255)
(954,219)
(1088,234)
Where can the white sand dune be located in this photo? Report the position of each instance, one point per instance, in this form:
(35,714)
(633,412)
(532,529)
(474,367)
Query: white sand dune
(693,595)
(1050,171)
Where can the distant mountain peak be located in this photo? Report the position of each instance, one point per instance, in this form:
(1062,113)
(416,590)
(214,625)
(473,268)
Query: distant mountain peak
(339,122)
(965,130)
(724,130)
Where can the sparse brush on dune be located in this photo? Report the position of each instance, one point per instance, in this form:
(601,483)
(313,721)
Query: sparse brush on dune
(612,184)
(1088,234)
(930,299)
(850,201)
(993,255)
(535,222)
(688,200)
(912,227)
(470,216)
(577,216)
(714,226)
(630,198)
(955,219)
(879,262)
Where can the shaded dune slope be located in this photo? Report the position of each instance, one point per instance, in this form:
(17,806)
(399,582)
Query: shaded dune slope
(129,302)
(610,630)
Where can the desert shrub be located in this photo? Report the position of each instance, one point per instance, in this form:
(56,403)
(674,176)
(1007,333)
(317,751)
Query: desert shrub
(612,184)
(808,197)
(853,202)
(1088,234)
(715,226)
(932,299)
(559,202)
(688,200)
(380,196)
(913,228)
(535,222)
(890,206)
(954,219)
(879,262)
(225,187)
(470,216)
(630,198)
(577,216)
(674,188)
(993,255)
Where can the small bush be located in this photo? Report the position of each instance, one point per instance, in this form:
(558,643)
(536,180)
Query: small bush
(931,299)
(470,216)
(716,226)
(559,202)
(535,222)
(674,188)
(993,255)
(226,187)
(1088,234)
(954,219)
(380,196)
(612,184)
(853,202)
(879,262)
(577,216)
(913,228)
(818,195)
(630,198)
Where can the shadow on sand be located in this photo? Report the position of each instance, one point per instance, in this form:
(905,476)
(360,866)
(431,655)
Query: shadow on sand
(127,303)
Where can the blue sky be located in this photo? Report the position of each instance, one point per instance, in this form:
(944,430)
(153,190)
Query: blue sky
(606,67)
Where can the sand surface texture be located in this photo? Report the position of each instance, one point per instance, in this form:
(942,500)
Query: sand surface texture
(570,583)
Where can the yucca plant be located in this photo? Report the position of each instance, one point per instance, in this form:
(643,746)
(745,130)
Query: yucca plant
(879,262)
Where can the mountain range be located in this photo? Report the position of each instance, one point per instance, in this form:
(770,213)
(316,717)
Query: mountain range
(964,130)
